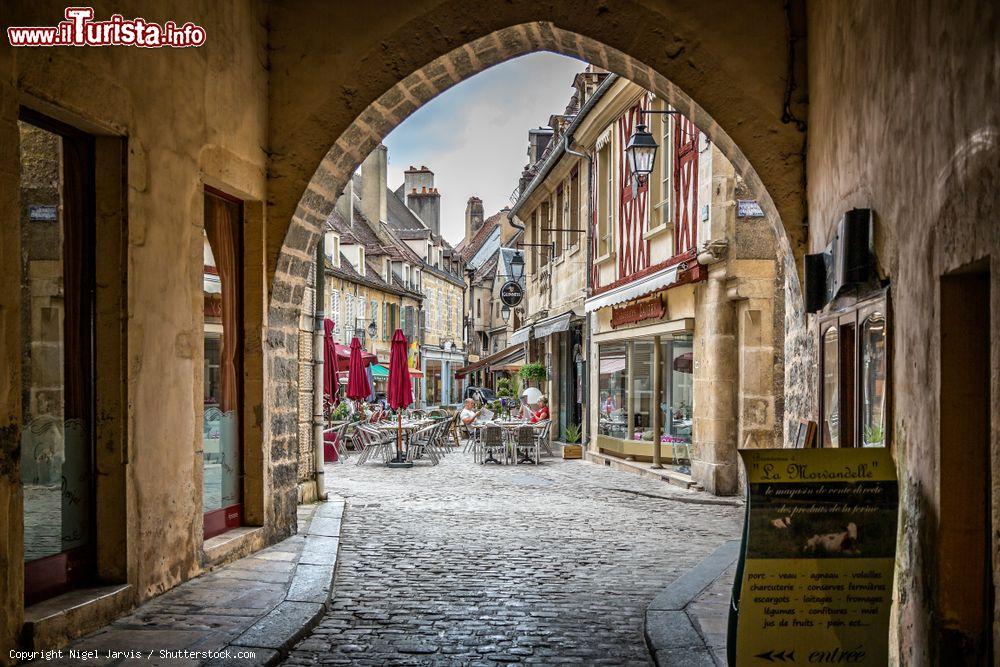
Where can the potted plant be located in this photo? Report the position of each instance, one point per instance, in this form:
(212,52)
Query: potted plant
(571,447)
(535,371)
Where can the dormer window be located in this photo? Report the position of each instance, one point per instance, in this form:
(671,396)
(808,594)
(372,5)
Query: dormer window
(361,260)
(331,248)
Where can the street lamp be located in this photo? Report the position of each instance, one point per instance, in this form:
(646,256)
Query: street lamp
(641,152)
(372,330)
(641,147)
(517,267)
(505,313)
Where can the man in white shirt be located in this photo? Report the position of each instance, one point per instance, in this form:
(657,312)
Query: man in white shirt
(469,412)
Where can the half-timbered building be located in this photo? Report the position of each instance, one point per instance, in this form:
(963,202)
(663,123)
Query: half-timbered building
(675,303)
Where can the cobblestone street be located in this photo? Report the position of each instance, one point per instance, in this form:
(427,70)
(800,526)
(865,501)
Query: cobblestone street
(465,564)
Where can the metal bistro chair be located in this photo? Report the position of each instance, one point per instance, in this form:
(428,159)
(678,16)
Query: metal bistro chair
(542,433)
(374,443)
(421,444)
(339,440)
(491,442)
(526,449)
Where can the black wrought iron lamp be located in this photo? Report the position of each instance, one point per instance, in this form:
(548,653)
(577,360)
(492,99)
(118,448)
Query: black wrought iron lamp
(516,270)
(641,148)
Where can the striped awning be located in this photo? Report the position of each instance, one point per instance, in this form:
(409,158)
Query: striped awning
(630,291)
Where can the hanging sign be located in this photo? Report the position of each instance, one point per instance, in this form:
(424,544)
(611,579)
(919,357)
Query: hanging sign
(511,293)
(817,561)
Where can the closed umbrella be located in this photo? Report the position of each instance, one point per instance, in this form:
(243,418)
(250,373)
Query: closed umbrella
(358,388)
(400,391)
(330,379)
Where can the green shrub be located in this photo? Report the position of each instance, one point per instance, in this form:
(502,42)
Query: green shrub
(572,433)
(533,371)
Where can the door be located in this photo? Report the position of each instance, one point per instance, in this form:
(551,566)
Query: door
(57,360)
(222,427)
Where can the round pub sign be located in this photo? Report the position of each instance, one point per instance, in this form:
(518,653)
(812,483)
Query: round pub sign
(511,293)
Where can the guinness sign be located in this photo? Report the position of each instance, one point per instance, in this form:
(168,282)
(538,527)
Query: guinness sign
(511,293)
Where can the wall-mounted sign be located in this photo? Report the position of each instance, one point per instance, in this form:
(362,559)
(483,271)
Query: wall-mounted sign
(43,212)
(816,570)
(511,293)
(638,311)
(748,208)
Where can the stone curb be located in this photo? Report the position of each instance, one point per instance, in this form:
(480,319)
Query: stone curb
(670,635)
(273,635)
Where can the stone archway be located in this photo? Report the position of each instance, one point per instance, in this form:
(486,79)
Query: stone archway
(326,118)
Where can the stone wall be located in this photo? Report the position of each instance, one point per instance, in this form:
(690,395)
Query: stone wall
(907,124)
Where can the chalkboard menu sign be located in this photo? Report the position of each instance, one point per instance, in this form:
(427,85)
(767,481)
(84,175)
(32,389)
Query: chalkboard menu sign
(815,579)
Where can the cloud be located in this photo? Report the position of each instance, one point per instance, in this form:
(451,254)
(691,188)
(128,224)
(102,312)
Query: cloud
(474,137)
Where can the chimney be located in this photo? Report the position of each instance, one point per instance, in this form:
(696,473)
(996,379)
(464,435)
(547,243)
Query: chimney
(373,185)
(473,216)
(538,141)
(422,197)
(345,203)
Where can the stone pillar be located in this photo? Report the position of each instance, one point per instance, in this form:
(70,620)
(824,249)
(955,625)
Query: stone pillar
(713,455)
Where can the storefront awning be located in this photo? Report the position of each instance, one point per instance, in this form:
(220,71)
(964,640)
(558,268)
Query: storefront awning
(509,362)
(520,336)
(508,355)
(630,291)
(380,372)
(552,325)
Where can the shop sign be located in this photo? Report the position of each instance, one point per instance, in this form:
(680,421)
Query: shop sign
(817,557)
(748,208)
(639,311)
(511,293)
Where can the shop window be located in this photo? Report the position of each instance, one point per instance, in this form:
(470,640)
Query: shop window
(57,362)
(612,385)
(223,364)
(854,376)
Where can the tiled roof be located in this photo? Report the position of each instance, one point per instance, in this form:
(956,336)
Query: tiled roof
(469,247)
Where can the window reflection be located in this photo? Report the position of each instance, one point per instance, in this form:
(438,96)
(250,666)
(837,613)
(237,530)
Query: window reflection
(873,381)
(613,414)
(831,388)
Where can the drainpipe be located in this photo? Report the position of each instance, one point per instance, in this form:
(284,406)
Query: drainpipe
(318,336)
(590,264)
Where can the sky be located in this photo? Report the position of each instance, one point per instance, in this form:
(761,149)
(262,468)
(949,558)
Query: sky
(474,136)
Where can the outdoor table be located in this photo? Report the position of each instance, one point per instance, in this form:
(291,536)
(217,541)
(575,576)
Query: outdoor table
(408,427)
(506,425)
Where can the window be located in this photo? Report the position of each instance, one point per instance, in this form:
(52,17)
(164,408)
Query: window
(56,357)
(854,376)
(611,386)
(332,242)
(545,222)
(361,260)
(223,363)
(661,181)
(574,208)
(534,238)
(479,307)
(335,308)
(605,194)
(559,218)
(348,317)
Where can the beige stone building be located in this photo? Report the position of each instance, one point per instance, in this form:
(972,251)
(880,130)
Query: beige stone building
(896,115)
(681,319)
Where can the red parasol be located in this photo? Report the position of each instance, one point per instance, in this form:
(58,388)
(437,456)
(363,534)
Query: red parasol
(400,390)
(344,357)
(330,379)
(357,379)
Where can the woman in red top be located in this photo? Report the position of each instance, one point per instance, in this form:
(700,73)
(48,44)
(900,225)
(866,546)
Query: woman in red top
(543,410)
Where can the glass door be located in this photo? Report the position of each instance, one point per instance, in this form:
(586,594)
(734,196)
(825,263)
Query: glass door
(222,453)
(57,295)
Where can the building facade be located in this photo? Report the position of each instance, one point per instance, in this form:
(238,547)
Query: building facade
(673,301)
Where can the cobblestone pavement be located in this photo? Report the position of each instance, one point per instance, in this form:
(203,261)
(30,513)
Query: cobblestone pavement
(466,564)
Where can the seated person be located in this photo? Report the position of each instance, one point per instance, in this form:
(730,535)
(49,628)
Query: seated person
(543,411)
(469,412)
(524,411)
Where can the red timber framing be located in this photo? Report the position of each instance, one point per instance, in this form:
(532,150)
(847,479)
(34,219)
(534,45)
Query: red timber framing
(633,248)
(685,184)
